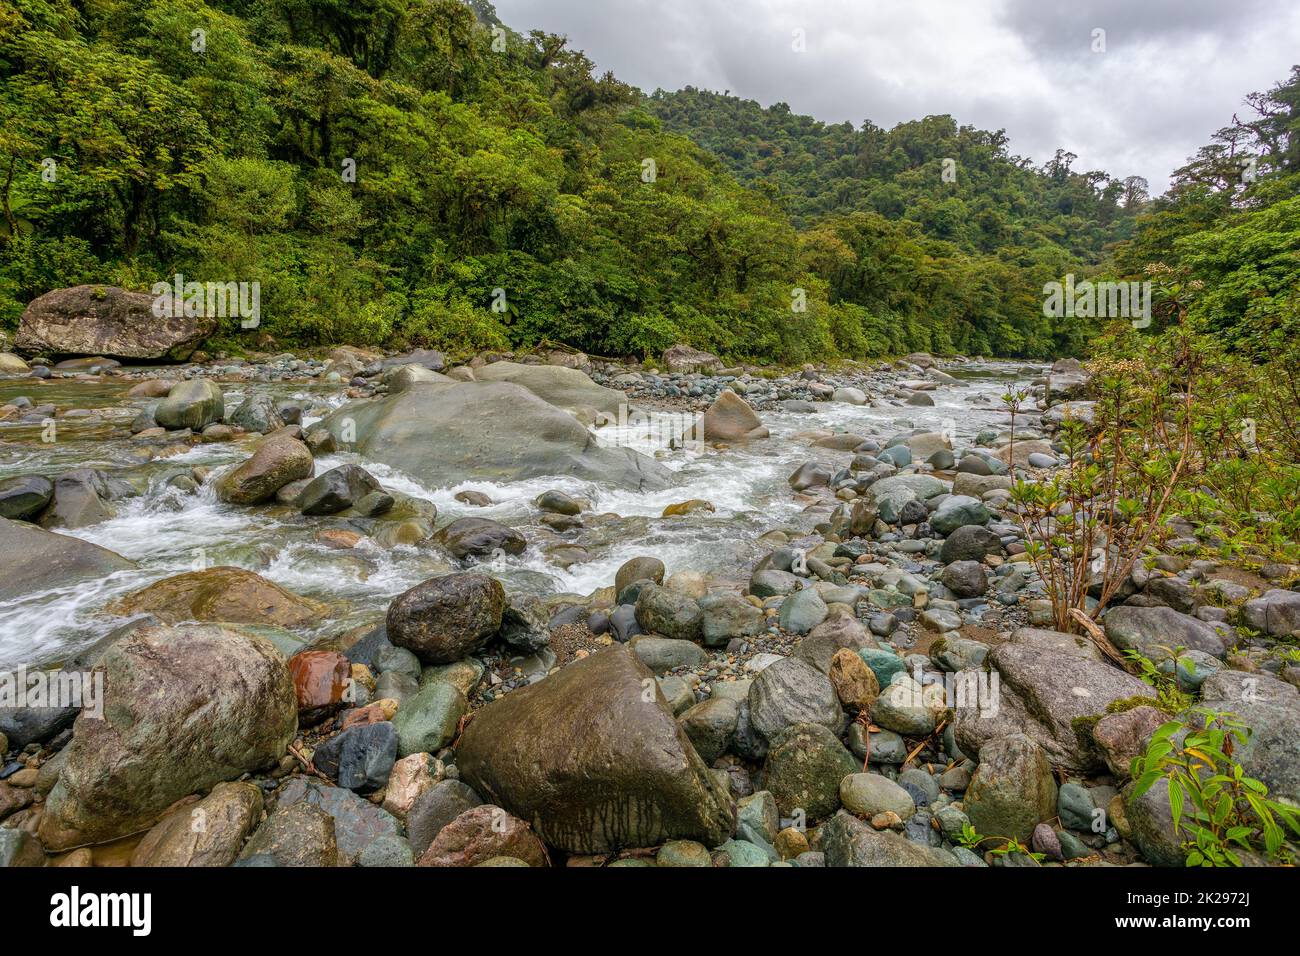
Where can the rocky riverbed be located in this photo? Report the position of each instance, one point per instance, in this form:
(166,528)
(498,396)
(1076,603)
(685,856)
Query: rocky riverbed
(376,610)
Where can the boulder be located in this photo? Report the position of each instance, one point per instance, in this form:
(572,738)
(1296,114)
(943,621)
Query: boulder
(480,536)
(296,834)
(276,463)
(850,842)
(1275,612)
(336,490)
(24,497)
(257,413)
(192,404)
(1051,695)
(804,769)
(670,613)
(790,692)
(683,359)
(592,757)
(730,419)
(105,320)
(32,559)
(184,708)
(444,435)
(207,833)
(1013,789)
(1271,709)
(484,833)
(565,388)
(1156,631)
(226,595)
(448,617)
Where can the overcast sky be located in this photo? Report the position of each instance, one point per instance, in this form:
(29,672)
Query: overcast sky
(1173,71)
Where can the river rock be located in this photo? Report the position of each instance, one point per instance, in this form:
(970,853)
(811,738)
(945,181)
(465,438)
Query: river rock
(1271,709)
(483,833)
(802,610)
(1013,789)
(321,681)
(336,490)
(1156,631)
(435,808)
(670,613)
(724,615)
(106,320)
(192,404)
(297,834)
(965,578)
(970,543)
(228,595)
(257,413)
(592,756)
(958,511)
(428,721)
(361,757)
(448,617)
(1050,695)
(790,692)
(32,559)
(710,725)
(207,833)
(638,569)
(867,794)
(24,497)
(1275,612)
(850,842)
(184,708)
(495,431)
(730,419)
(358,823)
(277,462)
(480,536)
(804,768)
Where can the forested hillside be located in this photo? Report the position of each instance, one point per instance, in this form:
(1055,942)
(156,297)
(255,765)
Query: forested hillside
(411,172)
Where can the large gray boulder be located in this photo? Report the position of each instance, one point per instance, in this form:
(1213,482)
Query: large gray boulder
(592,757)
(1053,693)
(562,387)
(500,431)
(1275,612)
(33,559)
(184,708)
(105,320)
(1156,631)
(1271,709)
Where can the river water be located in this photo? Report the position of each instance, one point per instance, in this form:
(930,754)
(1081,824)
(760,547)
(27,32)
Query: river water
(169,532)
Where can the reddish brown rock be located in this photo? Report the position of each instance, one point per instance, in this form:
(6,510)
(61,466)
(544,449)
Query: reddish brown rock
(1121,737)
(480,834)
(320,681)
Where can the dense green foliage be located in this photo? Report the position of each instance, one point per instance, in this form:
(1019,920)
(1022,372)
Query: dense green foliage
(1230,227)
(491,170)
(505,195)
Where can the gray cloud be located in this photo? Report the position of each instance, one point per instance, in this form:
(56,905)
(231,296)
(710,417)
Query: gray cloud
(1173,71)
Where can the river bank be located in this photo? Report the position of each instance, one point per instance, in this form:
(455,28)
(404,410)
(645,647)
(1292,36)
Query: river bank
(537,611)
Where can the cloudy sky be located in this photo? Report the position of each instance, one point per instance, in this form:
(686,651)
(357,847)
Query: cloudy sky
(1172,72)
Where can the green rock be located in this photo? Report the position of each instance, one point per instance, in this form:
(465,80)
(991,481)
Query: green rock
(194,404)
(683,853)
(804,768)
(885,664)
(744,853)
(427,722)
